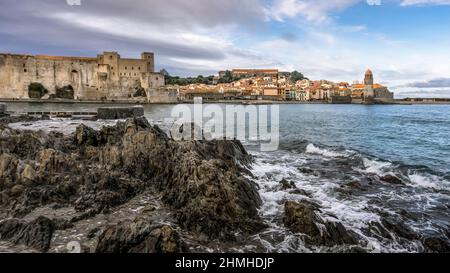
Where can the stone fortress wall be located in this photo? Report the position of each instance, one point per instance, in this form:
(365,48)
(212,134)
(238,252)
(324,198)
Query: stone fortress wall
(107,76)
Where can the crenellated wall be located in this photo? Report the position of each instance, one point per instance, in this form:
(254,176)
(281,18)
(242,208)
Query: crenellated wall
(107,76)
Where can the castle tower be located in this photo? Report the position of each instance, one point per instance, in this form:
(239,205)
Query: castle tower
(368,82)
(149,58)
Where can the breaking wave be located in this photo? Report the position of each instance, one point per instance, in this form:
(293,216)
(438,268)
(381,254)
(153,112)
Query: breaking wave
(323,175)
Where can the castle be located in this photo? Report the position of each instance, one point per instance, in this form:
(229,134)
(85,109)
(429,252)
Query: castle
(370,91)
(108,76)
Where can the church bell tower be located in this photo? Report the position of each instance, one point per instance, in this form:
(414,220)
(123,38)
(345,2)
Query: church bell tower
(368,82)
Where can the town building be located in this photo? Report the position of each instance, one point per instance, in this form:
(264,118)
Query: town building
(370,91)
(107,76)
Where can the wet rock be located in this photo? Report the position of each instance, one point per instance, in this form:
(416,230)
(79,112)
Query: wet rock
(355,185)
(204,183)
(391,179)
(399,228)
(36,234)
(17,190)
(300,192)
(139,237)
(306,170)
(285,184)
(28,173)
(20,118)
(2,109)
(120,112)
(303,217)
(436,244)
(8,166)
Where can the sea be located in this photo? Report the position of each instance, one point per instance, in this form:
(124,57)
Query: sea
(337,154)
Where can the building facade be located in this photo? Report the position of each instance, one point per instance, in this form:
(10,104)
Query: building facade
(369,90)
(108,76)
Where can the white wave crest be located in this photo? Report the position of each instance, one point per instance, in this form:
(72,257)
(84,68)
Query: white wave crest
(312,149)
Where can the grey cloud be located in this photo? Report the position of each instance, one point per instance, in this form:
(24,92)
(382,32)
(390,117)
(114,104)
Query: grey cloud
(438,93)
(434,83)
(25,26)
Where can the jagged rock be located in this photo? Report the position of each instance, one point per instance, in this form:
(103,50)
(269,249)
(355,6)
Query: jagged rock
(17,190)
(285,185)
(436,244)
(399,228)
(36,234)
(20,118)
(120,112)
(2,109)
(139,237)
(391,179)
(303,217)
(8,166)
(300,192)
(28,173)
(93,171)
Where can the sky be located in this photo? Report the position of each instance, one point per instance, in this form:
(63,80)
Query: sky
(406,43)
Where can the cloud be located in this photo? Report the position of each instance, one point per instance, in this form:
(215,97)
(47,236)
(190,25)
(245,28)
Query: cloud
(424,2)
(192,37)
(312,10)
(434,83)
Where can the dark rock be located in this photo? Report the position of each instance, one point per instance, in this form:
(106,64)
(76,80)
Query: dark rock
(120,112)
(204,183)
(354,185)
(285,185)
(2,109)
(391,179)
(300,192)
(17,190)
(399,228)
(303,217)
(36,234)
(436,244)
(139,237)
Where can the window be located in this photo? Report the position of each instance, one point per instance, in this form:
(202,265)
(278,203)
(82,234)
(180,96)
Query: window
(25,70)
(23,65)
(132,68)
(139,68)
(112,68)
(135,74)
(125,68)
(110,57)
(114,74)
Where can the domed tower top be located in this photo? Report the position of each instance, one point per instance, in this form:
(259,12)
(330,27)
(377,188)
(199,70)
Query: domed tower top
(368,78)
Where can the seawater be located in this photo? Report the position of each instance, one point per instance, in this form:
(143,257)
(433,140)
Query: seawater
(325,147)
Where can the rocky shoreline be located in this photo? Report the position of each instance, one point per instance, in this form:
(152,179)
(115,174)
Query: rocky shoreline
(94,172)
(131,188)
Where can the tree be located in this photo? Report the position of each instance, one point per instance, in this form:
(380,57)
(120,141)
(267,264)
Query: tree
(297,76)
